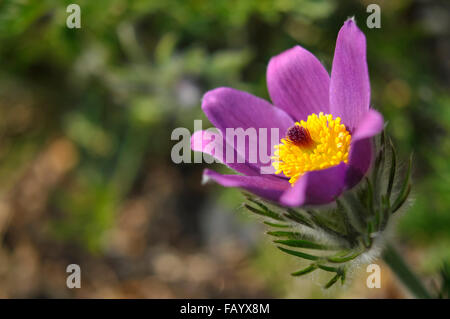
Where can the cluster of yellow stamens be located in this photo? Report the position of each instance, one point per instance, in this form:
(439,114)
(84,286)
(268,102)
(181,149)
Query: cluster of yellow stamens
(318,143)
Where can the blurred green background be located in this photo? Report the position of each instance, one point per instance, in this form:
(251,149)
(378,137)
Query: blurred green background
(86,118)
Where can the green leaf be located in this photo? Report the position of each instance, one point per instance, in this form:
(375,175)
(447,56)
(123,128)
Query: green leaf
(383,138)
(385,206)
(401,200)
(321,223)
(369,196)
(332,281)
(301,244)
(305,271)
(329,268)
(338,260)
(261,205)
(266,210)
(266,213)
(377,222)
(358,211)
(348,217)
(367,237)
(406,188)
(379,161)
(343,275)
(287,234)
(298,254)
(392,169)
(276,225)
(297,217)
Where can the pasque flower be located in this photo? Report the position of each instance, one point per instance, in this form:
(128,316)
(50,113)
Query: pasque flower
(326,147)
(326,124)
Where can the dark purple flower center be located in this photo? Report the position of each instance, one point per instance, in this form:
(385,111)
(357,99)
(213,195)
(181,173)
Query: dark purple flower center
(299,136)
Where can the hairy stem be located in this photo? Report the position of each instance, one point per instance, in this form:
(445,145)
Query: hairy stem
(394,260)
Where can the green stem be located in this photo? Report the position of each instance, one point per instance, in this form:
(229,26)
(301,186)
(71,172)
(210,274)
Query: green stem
(394,260)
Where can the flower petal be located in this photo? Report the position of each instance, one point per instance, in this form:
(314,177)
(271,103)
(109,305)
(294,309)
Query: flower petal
(361,150)
(268,187)
(316,187)
(227,108)
(360,158)
(350,86)
(298,83)
(214,144)
(370,125)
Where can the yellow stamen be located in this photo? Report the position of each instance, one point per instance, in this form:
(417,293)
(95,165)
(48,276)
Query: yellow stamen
(330,146)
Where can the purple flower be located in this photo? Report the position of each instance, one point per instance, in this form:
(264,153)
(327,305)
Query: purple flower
(326,123)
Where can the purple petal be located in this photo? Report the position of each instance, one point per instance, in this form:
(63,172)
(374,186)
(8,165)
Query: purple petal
(209,142)
(316,187)
(370,125)
(361,149)
(360,158)
(350,86)
(268,187)
(229,108)
(298,83)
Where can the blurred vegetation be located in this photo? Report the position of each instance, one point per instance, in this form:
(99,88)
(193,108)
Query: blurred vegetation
(87,114)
